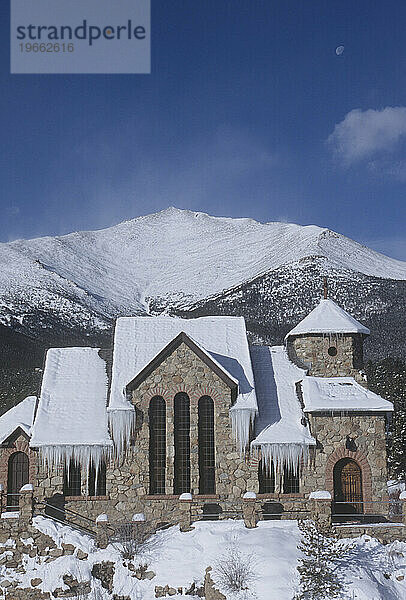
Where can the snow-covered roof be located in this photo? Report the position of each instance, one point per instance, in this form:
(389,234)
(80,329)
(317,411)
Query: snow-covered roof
(340,394)
(328,317)
(138,340)
(71,419)
(19,416)
(279,429)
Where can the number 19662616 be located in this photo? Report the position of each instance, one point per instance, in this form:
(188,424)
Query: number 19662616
(46,47)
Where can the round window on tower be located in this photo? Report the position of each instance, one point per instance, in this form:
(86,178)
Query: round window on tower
(332,351)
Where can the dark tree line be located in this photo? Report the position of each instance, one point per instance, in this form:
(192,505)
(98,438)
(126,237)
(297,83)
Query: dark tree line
(388,379)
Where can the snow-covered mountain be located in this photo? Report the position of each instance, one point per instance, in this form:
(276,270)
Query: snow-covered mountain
(68,289)
(176,255)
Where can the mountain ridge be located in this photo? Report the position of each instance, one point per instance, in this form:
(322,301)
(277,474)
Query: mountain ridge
(163,253)
(68,290)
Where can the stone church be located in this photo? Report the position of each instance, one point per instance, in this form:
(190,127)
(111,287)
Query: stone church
(188,409)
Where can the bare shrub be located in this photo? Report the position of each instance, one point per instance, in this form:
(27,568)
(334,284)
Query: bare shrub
(135,539)
(236,571)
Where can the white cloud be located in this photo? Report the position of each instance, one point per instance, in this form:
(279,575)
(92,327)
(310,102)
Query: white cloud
(363,135)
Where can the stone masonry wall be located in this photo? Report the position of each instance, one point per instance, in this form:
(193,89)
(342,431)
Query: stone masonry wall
(20,444)
(183,371)
(368,435)
(313,351)
(128,483)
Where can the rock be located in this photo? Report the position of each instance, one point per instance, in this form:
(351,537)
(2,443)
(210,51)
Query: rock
(149,575)
(70,581)
(105,573)
(58,593)
(6,583)
(81,555)
(171,591)
(191,590)
(159,591)
(36,581)
(400,577)
(56,552)
(68,548)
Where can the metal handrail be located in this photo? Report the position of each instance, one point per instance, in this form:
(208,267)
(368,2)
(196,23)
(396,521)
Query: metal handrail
(391,511)
(67,511)
(392,501)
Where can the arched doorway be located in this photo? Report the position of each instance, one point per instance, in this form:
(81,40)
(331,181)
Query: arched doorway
(18,475)
(348,487)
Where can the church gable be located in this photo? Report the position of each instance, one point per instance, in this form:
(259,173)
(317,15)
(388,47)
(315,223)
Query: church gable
(183,429)
(18,435)
(182,367)
(190,351)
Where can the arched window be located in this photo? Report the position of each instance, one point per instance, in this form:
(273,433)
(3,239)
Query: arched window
(72,480)
(207,484)
(266,478)
(181,483)
(157,445)
(347,487)
(97,486)
(290,481)
(18,475)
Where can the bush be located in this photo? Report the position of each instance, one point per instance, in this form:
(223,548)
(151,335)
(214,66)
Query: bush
(135,539)
(236,571)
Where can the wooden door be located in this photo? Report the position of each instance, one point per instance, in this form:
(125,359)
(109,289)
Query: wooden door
(348,486)
(18,475)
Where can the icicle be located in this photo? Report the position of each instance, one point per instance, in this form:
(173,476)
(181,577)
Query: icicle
(122,423)
(281,455)
(85,456)
(241,422)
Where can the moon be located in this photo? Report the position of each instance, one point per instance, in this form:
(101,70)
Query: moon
(339,50)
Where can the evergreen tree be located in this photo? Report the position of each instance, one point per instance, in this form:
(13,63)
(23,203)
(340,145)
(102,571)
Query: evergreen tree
(318,567)
(388,379)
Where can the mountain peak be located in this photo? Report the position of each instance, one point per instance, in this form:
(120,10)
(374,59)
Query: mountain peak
(176,254)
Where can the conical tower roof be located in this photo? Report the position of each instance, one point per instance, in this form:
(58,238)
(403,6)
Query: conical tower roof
(328,317)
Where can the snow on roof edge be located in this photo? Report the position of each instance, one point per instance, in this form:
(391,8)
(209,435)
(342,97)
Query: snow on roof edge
(21,415)
(328,317)
(341,394)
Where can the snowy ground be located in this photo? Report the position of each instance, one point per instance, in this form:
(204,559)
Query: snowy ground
(371,571)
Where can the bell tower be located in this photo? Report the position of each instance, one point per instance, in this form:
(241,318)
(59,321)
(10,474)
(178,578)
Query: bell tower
(329,341)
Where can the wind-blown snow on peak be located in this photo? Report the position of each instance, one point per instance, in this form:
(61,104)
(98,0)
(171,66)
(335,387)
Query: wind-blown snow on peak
(179,255)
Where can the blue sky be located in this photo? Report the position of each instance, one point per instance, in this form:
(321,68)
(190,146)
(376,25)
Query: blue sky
(248,112)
